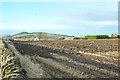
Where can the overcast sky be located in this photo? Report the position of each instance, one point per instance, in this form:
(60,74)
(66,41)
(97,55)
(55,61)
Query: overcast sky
(69,18)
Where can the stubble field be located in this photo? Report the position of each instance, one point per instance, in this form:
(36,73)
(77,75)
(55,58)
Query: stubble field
(73,58)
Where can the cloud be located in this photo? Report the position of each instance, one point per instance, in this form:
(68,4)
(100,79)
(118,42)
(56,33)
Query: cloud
(59,0)
(72,19)
(98,17)
(0,17)
(36,27)
(85,19)
(92,15)
(104,23)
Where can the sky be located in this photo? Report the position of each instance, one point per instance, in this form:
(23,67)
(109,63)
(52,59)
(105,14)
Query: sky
(68,18)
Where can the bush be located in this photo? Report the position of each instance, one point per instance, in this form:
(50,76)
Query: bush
(76,38)
(118,36)
(103,37)
(62,38)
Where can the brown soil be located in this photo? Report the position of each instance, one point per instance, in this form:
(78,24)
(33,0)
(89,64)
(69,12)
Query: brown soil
(73,58)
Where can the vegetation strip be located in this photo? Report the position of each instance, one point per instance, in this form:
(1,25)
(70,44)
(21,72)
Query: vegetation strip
(92,67)
(99,58)
(99,55)
(62,67)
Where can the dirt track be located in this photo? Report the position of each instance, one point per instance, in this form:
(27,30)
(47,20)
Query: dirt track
(60,59)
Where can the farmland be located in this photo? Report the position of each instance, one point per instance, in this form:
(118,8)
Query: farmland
(72,58)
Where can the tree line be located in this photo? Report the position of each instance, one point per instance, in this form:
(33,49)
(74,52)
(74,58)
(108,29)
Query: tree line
(101,37)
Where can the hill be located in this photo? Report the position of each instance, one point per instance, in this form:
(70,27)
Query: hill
(40,35)
(4,36)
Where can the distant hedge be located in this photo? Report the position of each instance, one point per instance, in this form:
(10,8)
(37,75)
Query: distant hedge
(91,36)
(97,37)
(103,37)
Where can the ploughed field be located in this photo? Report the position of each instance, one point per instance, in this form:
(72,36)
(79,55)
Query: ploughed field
(73,58)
